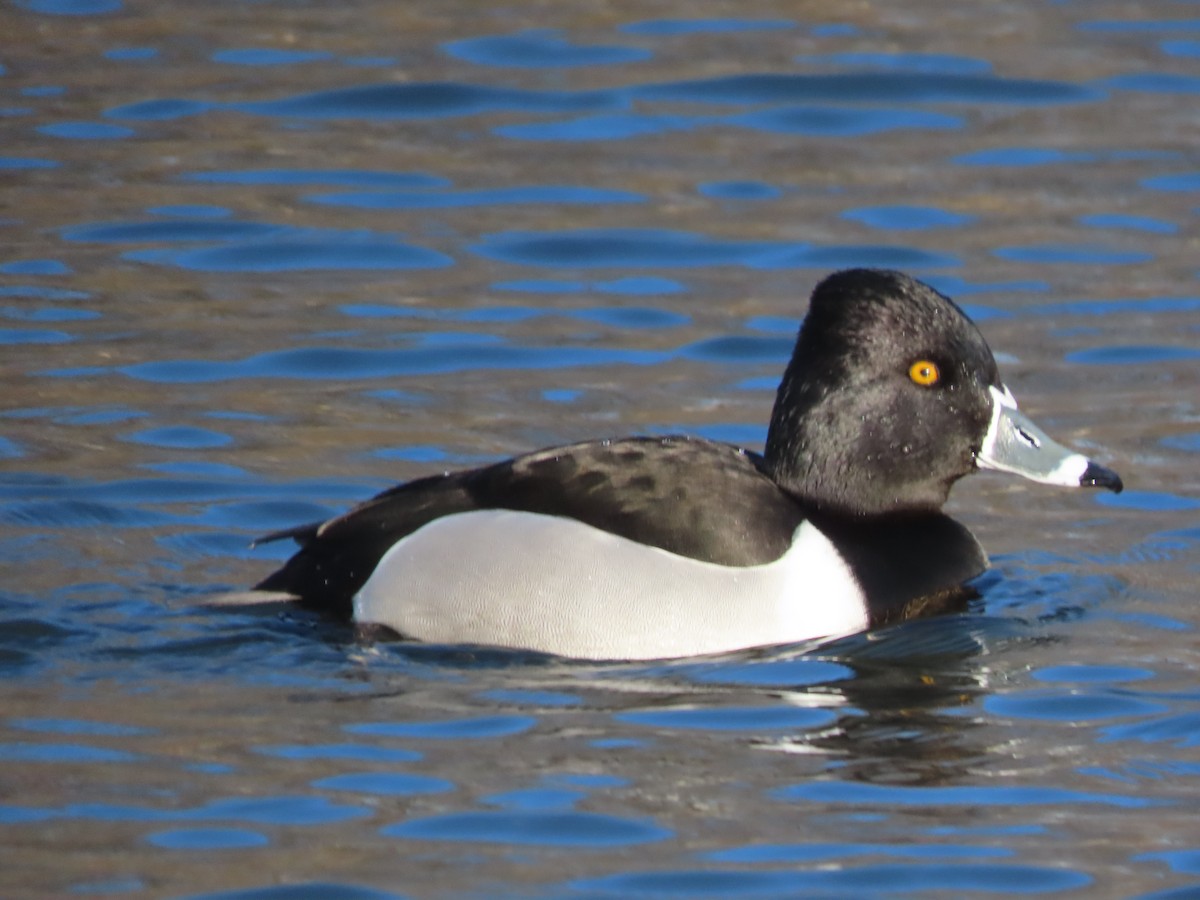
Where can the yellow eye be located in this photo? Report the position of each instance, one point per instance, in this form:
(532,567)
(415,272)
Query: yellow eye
(924,372)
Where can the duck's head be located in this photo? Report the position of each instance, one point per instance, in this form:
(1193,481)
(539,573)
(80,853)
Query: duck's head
(892,395)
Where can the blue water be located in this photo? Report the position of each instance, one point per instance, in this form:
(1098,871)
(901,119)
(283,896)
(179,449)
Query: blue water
(264,260)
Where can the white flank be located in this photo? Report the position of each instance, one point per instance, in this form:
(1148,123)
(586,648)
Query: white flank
(556,585)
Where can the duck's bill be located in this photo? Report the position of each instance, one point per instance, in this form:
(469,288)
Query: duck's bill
(1014,444)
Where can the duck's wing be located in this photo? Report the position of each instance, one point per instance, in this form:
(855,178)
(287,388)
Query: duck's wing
(696,498)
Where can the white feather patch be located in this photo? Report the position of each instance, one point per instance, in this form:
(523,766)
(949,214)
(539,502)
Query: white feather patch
(556,585)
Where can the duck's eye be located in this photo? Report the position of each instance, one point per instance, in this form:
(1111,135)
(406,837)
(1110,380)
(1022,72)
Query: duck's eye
(924,372)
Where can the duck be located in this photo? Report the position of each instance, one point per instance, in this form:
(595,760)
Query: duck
(659,547)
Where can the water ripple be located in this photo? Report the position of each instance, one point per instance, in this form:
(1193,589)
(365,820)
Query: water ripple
(274,810)
(268,56)
(1178,729)
(356,752)
(907,218)
(271,248)
(929,63)
(360,178)
(614,126)
(832,121)
(833,791)
(1071,705)
(632,247)
(432,100)
(870,87)
(682,27)
(482,727)
(339,362)
(170,231)
(313,890)
(546,194)
(71,7)
(1076,254)
(207,839)
(753,719)
(857,881)
(540,49)
(819,852)
(76,726)
(73,754)
(86,131)
(160,110)
(26,162)
(543,829)
(1125,355)
(391,784)
(1155,82)
(427,101)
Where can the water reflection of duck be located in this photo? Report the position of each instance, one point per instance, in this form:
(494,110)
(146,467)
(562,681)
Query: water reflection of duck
(648,547)
(900,700)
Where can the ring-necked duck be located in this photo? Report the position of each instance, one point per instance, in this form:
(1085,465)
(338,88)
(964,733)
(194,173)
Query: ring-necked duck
(648,547)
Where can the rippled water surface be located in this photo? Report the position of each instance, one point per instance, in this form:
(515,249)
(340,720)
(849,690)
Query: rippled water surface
(261,259)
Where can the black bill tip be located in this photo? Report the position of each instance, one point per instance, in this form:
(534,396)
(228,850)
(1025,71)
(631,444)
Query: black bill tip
(1098,476)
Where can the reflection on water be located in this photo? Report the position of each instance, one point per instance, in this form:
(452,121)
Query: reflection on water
(263,261)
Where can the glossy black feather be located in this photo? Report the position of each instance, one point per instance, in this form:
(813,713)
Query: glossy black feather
(648,490)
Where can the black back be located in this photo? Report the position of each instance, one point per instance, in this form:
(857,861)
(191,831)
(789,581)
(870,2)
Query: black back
(697,498)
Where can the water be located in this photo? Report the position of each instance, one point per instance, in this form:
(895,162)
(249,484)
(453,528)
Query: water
(261,260)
